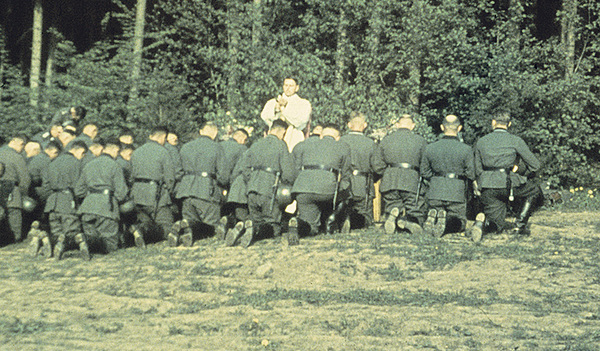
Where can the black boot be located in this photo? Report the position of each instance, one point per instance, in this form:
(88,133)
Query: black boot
(523,218)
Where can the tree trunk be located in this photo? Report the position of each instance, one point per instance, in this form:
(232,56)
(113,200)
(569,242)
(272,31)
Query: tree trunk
(568,25)
(376,26)
(515,17)
(36,54)
(3,59)
(138,46)
(341,50)
(233,34)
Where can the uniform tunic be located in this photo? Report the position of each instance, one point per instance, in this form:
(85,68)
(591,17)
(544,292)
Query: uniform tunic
(58,185)
(263,161)
(103,185)
(448,165)
(495,156)
(205,172)
(153,179)
(15,173)
(399,185)
(362,149)
(315,188)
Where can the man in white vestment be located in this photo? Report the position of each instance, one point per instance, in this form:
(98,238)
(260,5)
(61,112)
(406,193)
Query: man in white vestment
(290,108)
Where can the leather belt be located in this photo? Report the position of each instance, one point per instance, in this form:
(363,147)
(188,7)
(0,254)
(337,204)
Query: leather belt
(405,166)
(356,173)
(265,169)
(321,168)
(451,176)
(202,174)
(144,180)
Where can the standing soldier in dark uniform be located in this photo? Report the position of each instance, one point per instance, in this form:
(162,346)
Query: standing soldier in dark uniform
(503,166)
(323,168)
(362,149)
(233,149)
(205,172)
(266,164)
(448,165)
(15,176)
(58,185)
(398,158)
(103,187)
(153,179)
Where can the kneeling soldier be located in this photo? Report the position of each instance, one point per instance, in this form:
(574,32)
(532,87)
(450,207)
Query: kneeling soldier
(58,184)
(103,185)
(448,164)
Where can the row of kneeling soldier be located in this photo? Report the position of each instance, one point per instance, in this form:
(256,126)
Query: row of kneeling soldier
(98,195)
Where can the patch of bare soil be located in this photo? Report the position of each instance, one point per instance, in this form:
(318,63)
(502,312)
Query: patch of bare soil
(362,291)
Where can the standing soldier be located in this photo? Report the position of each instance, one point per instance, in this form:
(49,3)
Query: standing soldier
(398,158)
(153,179)
(362,149)
(58,184)
(323,168)
(503,166)
(448,165)
(205,172)
(267,164)
(290,108)
(103,187)
(17,179)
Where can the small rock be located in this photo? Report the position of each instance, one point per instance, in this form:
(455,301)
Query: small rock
(265,270)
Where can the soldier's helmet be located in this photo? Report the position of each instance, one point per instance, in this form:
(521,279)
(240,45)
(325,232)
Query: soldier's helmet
(284,195)
(29,204)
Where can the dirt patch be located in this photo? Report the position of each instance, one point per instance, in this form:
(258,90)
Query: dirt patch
(362,291)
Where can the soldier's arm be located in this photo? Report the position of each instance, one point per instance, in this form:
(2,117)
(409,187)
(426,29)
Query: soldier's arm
(23,175)
(378,162)
(533,164)
(426,171)
(286,163)
(223,170)
(469,166)
(478,163)
(119,185)
(168,172)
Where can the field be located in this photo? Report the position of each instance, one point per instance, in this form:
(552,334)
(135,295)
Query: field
(361,291)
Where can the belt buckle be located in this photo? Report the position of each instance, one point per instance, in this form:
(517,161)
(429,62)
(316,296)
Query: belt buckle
(204,174)
(105,191)
(355,172)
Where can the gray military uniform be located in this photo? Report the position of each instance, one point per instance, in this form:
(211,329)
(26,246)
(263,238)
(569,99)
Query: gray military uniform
(362,149)
(495,155)
(318,163)
(398,158)
(58,185)
(448,165)
(103,185)
(17,177)
(205,172)
(153,179)
(266,160)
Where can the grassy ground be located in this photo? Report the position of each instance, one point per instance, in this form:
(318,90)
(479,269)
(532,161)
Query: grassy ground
(362,291)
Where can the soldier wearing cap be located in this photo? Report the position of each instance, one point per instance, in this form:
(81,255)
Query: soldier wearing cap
(266,165)
(448,165)
(323,168)
(153,179)
(17,180)
(205,173)
(504,167)
(102,187)
(362,149)
(398,160)
(58,187)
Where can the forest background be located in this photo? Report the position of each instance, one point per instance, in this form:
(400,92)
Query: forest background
(135,63)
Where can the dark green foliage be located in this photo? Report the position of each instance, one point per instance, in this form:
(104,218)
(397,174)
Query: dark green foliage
(223,60)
